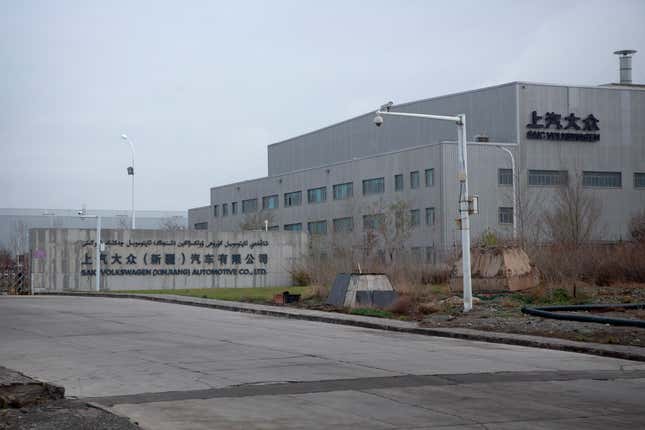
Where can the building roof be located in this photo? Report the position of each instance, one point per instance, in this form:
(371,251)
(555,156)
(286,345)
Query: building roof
(636,87)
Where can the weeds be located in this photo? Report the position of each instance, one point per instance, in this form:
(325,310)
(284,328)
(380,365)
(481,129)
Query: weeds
(371,312)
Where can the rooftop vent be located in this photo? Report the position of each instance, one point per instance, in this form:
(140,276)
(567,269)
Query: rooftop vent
(625,58)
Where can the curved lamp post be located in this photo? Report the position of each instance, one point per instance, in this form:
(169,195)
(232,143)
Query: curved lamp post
(131,173)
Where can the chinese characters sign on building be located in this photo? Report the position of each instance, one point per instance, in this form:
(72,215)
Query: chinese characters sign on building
(170,258)
(555,126)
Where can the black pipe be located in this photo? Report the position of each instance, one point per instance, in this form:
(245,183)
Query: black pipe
(551,312)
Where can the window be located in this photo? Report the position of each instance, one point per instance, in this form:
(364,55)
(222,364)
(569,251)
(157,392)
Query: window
(274,228)
(373,186)
(234,208)
(505,176)
(430,216)
(317,195)
(548,177)
(292,199)
(415,217)
(373,222)
(224,209)
(215,211)
(317,227)
(431,255)
(602,179)
(293,227)
(343,225)
(414,179)
(639,180)
(250,205)
(417,253)
(201,226)
(343,191)
(270,202)
(429,177)
(505,215)
(398,182)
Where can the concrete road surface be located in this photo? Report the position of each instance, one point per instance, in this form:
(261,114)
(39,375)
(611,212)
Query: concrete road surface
(180,367)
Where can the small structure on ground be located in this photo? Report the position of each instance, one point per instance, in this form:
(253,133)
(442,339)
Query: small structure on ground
(362,290)
(497,269)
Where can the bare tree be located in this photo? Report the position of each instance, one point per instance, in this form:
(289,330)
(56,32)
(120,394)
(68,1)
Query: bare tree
(171,224)
(575,215)
(391,229)
(123,223)
(19,243)
(637,227)
(256,221)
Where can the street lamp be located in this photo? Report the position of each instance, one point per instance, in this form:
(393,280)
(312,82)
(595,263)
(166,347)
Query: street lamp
(504,146)
(99,246)
(510,154)
(131,173)
(465,201)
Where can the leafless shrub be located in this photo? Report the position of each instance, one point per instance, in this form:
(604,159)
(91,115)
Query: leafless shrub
(575,215)
(171,223)
(256,221)
(637,227)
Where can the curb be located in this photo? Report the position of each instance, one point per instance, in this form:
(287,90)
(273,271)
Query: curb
(614,351)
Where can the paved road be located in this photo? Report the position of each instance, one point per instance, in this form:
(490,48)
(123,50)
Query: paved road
(179,367)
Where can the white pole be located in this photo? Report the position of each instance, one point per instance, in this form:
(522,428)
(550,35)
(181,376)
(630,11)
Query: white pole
(133,212)
(462,172)
(98,253)
(508,151)
(127,139)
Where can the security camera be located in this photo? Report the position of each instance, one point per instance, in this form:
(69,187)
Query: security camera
(80,212)
(378,120)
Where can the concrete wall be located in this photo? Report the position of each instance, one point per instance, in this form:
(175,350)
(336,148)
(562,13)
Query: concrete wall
(64,259)
(15,223)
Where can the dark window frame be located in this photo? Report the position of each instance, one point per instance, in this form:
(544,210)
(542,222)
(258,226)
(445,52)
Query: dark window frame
(503,175)
(312,192)
(370,189)
(415,179)
(288,203)
(343,191)
(505,215)
(595,179)
(266,199)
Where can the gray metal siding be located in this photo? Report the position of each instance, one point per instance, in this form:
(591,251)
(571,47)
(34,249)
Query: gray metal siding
(621,147)
(489,111)
(356,150)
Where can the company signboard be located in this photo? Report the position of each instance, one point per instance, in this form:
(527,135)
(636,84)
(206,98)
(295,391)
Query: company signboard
(558,127)
(153,259)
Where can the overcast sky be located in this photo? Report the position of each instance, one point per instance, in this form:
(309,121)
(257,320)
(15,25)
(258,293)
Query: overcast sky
(202,87)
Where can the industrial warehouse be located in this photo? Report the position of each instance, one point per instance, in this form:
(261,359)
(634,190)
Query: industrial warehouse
(340,181)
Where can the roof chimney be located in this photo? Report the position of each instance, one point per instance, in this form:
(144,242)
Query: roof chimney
(625,58)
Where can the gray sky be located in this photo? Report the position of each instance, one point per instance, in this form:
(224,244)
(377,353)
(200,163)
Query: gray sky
(202,87)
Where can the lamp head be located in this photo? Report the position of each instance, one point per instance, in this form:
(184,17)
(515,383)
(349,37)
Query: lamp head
(124,136)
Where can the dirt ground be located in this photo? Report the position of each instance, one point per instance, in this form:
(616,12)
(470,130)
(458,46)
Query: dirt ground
(501,313)
(62,415)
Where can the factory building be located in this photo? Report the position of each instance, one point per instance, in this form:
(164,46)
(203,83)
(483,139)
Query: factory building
(339,181)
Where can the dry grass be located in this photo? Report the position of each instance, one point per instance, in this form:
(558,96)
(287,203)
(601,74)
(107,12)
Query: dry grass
(600,264)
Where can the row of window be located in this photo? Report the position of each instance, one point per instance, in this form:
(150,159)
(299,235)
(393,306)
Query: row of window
(346,224)
(319,195)
(561,177)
